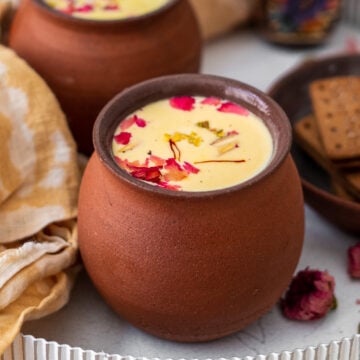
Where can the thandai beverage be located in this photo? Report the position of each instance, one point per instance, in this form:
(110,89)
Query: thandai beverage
(106,9)
(192,144)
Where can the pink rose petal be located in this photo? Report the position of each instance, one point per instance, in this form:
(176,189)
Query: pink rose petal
(125,124)
(190,168)
(158,161)
(111,7)
(139,122)
(151,174)
(68,10)
(354,261)
(85,8)
(172,163)
(310,295)
(123,138)
(166,185)
(232,132)
(128,165)
(120,162)
(185,103)
(174,171)
(230,107)
(211,101)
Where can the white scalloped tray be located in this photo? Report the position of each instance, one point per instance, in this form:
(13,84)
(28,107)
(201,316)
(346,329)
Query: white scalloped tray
(29,348)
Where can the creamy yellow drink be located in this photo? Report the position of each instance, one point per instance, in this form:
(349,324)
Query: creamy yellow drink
(192,144)
(105,9)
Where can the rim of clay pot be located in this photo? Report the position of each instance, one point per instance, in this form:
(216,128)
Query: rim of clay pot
(134,97)
(83,21)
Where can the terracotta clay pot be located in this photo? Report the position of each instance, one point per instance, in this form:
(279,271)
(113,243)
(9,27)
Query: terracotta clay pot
(190,266)
(87,62)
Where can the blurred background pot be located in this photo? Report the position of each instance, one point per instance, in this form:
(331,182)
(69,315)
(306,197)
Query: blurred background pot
(190,266)
(86,62)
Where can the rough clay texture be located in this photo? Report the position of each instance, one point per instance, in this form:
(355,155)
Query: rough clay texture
(190,269)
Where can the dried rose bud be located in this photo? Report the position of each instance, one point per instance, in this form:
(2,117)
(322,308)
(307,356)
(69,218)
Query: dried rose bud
(354,261)
(310,295)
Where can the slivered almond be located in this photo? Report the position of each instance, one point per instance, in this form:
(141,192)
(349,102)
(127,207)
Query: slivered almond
(127,147)
(227,147)
(223,138)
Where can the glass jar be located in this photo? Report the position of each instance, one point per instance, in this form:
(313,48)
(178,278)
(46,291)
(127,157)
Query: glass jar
(300,22)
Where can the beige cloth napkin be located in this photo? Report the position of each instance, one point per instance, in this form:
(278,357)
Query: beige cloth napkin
(39,182)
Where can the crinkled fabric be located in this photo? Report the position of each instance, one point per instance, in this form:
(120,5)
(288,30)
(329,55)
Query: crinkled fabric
(39,181)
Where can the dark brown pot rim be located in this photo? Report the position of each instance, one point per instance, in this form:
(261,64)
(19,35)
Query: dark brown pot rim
(91,22)
(164,87)
(308,64)
(286,78)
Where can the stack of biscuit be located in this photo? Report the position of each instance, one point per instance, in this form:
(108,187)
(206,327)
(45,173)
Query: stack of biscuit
(331,134)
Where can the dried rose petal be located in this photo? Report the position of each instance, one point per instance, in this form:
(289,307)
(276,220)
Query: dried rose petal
(123,138)
(128,165)
(135,163)
(174,171)
(69,10)
(310,295)
(166,185)
(232,132)
(211,101)
(190,168)
(125,124)
(230,107)
(185,103)
(120,162)
(158,161)
(354,261)
(151,174)
(111,7)
(171,162)
(139,121)
(85,8)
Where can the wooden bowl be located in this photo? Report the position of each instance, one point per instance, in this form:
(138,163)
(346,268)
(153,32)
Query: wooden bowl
(291,92)
(190,266)
(86,62)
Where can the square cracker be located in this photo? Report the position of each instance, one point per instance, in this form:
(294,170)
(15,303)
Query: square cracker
(308,138)
(336,103)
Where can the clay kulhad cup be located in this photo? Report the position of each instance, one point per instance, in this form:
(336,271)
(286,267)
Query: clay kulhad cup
(87,62)
(190,266)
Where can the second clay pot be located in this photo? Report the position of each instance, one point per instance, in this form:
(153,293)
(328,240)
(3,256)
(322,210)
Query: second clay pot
(86,62)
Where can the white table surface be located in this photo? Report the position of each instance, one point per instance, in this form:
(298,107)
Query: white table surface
(89,323)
